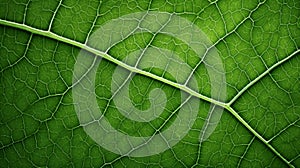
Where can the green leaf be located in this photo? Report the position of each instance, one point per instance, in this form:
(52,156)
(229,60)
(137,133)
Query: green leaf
(196,84)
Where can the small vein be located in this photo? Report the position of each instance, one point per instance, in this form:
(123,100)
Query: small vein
(25,12)
(94,22)
(21,58)
(246,150)
(54,14)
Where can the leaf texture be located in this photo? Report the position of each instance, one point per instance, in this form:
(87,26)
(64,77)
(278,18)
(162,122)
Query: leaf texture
(250,120)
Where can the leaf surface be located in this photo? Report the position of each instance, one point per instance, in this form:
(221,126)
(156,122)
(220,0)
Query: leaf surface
(257,42)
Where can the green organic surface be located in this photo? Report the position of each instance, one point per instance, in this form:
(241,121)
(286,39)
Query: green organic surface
(258,42)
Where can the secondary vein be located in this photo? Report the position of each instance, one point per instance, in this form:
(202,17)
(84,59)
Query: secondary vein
(262,75)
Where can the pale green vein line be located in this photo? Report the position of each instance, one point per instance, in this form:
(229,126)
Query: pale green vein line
(54,14)
(21,58)
(110,58)
(246,150)
(261,76)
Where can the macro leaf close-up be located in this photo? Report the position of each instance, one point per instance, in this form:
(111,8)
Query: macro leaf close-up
(157,83)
